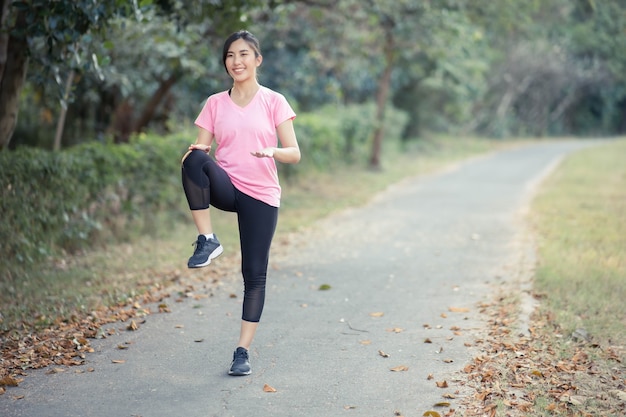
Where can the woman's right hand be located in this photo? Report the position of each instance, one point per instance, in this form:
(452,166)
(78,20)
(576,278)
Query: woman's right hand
(201,147)
(196,146)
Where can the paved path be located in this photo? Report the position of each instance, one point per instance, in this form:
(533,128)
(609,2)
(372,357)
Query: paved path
(418,249)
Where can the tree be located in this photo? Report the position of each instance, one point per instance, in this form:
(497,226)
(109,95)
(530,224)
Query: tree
(49,27)
(64,38)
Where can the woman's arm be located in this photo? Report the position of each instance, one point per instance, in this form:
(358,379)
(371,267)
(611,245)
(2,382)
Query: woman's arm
(289,152)
(203,142)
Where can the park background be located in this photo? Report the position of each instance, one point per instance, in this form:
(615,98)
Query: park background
(98,101)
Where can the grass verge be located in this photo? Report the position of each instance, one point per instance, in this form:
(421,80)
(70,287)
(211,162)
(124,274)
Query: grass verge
(572,364)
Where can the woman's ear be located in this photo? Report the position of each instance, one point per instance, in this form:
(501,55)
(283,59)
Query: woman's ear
(259,60)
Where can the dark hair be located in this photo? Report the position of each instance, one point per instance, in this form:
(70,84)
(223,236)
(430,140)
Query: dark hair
(246,36)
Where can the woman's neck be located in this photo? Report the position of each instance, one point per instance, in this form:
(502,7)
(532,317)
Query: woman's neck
(246,89)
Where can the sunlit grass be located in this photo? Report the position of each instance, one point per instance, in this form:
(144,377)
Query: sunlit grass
(580,217)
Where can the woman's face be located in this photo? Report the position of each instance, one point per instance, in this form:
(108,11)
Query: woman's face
(241,61)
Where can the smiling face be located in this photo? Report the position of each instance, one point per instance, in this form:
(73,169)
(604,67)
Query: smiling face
(242,60)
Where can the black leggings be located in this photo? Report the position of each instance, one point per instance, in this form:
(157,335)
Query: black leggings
(206,184)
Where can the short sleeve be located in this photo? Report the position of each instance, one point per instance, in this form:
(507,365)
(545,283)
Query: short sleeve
(282,110)
(206,118)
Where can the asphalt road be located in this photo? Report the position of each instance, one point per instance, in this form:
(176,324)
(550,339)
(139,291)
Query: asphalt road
(409,268)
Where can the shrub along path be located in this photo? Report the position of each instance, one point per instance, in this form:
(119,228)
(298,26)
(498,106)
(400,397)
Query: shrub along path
(377,311)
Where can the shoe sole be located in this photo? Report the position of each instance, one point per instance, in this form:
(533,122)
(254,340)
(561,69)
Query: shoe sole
(217,252)
(231,373)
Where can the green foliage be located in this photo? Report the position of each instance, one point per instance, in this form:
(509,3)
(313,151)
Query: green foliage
(339,135)
(63,201)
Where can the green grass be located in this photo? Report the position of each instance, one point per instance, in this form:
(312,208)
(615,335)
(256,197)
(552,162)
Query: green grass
(580,217)
(104,277)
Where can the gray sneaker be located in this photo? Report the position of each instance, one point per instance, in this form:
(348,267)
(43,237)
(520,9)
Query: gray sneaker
(206,249)
(240,365)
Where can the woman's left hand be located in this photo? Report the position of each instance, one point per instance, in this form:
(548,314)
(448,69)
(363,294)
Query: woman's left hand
(264,153)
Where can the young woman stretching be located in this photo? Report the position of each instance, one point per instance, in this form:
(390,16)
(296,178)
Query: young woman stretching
(245,122)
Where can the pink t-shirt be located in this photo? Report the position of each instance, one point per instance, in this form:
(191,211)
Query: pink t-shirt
(241,130)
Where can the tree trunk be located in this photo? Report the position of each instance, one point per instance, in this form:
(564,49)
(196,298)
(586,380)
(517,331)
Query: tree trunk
(13,66)
(122,123)
(382,92)
(150,109)
(64,105)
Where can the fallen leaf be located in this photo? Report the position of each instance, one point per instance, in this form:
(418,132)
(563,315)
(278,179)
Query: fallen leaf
(132,326)
(268,388)
(427,340)
(118,361)
(395,330)
(621,395)
(383,354)
(324,287)
(577,400)
(349,407)
(365,342)
(8,381)
(431,414)
(458,310)
(400,368)
(442,404)
(122,347)
(442,384)
(449,396)
(448,360)
(377,314)
(444,316)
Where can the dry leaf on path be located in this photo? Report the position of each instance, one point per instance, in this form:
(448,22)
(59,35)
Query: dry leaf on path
(395,330)
(268,388)
(442,384)
(383,354)
(377,314)
(458,310)
(8,381)
(400,368)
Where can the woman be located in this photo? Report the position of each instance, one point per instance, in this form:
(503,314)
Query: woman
(244,122)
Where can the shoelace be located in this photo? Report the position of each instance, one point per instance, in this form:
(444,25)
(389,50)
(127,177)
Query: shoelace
(241,356)
(199,246)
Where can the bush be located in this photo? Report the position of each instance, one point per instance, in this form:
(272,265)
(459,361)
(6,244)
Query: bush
(343,134)
(59,201)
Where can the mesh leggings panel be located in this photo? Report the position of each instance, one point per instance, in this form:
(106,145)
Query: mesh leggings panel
(205,183)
